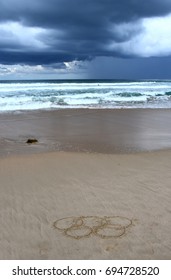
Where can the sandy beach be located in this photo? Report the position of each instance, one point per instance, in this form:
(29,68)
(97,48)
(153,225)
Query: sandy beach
(97,185)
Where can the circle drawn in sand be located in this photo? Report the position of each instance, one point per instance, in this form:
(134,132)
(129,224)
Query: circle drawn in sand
(67,223)
(78,232)
(118,220)
(84,226)
(110,231)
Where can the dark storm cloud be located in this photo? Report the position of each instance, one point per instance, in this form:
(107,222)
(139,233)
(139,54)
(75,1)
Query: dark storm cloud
(63,12)
(34,58)
(74,29)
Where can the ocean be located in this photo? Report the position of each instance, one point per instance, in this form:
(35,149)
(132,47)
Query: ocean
(61,94)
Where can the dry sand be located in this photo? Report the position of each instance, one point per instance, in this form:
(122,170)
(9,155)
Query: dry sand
(75,205)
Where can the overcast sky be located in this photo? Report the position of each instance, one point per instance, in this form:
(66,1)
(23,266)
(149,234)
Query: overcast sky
(126,39)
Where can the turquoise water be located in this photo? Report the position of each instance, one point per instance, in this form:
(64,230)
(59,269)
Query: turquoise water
(51,94)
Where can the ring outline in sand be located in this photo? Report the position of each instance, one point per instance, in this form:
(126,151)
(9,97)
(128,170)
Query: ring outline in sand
(73,219)
(109,218)
(76,236)
(101,220)
(114,228)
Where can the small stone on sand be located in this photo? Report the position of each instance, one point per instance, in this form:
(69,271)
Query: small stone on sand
(31,141)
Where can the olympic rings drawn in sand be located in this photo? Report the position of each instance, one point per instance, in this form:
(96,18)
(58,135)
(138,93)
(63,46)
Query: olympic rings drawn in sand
(84,226)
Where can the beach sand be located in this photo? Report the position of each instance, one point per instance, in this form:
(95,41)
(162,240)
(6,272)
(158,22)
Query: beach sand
(97,185)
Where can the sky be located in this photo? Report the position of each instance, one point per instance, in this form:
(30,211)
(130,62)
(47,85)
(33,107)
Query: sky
(90,39)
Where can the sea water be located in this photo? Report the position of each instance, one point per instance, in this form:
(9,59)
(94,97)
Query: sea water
(61,94)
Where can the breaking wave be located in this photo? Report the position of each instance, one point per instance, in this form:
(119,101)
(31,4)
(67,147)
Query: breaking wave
(32,95)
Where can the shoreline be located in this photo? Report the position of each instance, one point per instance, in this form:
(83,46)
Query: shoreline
(86,130)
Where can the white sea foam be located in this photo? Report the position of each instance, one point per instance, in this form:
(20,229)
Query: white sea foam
(32,95)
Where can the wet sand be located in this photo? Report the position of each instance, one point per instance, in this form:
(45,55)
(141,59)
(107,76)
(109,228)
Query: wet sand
(95,186)
(102,131)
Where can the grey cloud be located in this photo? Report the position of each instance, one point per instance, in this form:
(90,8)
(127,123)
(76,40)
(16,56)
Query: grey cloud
(75,29)
(63,12)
